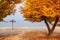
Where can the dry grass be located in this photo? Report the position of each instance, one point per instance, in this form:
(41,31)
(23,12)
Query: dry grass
(40,36)
(35,33)
(32,36)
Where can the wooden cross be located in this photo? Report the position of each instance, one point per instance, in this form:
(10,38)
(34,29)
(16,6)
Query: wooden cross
(12,23)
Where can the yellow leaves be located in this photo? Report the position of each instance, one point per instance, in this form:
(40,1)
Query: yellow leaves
(48,12)
(4,2)
(28,4)
(7,7)
(17,1)
(57,9)
(39,8)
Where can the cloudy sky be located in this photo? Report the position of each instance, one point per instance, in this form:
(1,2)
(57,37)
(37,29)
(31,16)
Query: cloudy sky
(18,17)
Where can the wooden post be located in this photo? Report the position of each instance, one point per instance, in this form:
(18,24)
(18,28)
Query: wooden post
(12,23)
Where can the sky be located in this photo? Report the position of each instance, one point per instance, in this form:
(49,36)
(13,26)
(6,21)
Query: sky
(18,17)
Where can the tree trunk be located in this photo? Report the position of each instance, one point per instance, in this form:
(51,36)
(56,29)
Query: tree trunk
(55,23)
(47,26)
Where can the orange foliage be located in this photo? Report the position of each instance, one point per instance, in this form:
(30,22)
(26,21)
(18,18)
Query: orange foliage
(36,10)
(7,7)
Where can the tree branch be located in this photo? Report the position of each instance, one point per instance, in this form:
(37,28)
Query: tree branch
(47,25)
(56,21)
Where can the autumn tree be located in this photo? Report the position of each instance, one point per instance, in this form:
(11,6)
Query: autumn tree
(42,10)
(7,7)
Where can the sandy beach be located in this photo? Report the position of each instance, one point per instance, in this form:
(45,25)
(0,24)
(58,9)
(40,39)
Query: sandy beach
(8,34)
